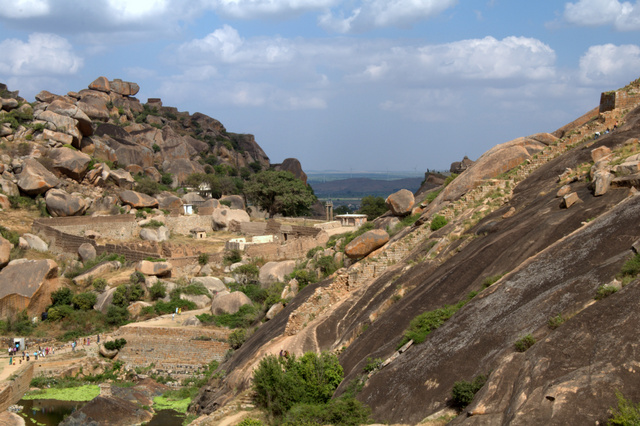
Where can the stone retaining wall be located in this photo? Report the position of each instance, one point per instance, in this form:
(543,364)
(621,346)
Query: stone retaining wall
(184,224)
(179,351)
(12,391)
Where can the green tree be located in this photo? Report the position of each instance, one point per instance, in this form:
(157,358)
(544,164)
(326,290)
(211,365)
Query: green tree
(372,206)
(62,296)
(279,192)
(84,301)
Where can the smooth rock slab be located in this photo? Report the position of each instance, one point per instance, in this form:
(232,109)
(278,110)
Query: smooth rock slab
(366,243)
(137,200)
(158,269)
(229,303)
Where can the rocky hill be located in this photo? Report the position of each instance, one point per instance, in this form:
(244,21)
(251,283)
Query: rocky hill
(523,269)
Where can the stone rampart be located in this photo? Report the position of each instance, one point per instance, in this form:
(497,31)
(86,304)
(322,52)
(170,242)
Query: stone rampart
(118,227)
(184,224)
(296,248)
(179,351)
(618,100)
(13,390)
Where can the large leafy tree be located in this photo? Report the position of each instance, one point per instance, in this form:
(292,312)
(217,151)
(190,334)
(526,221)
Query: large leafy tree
(279,192)
(372,206)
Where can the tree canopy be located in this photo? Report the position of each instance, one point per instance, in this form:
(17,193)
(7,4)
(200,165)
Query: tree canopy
(372,206)
(279,192)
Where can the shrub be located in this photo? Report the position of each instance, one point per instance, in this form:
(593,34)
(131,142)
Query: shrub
(304,277)
(136,277)
(372,365)
(153,224)
(170,307)
(166,178)
(312,252)
(203,259)
(117,315)
(116,344)
(237,338)
(155,147)
(327,265)
(11,236)
(524,343)
(631,267)
(281,382)
(57,313)
(343,411)
(233,256)
(438,222)
(158,290)
(99,284)
(84,301)
(250,271)
(250,422)
(626,413)
(489,281)
(245,316)
(147,186)
(463,391)
(555,322)
(605,291)
(62,296)
(127,293)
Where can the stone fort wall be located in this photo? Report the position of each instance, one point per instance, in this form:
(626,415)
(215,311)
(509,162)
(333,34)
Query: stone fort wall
(12,391)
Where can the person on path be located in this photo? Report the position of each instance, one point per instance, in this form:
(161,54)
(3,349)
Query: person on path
(11,360)
(173,316)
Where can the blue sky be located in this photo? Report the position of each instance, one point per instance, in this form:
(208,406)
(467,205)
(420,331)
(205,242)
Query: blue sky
(349,85)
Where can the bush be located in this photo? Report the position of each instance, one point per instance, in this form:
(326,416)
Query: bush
(62,296)
(170,307)
(342,411)
(57,313)
(84,301)
(232,256)
(116,344)
(312,252)
(153,224)
(203,259)
(237,338)
(166,179)
(631,268)
(524,343)
(99,284)
(245,316)
(250,271)
(304,277)
(250,422)
(158,290)
(605,291)
(489,281)
(463,391)
(147,186)
(281,382)
(117,315)
(11,236)
(327,265)
(125,294)
(372,365)
(555,322)
(438,222)
(626,413)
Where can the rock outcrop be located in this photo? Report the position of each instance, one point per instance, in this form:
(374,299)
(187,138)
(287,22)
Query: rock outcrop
(27,285)
(229,303)
(366,243)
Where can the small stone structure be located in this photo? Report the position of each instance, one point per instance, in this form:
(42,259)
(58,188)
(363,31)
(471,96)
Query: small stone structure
(356,220)
(199,233)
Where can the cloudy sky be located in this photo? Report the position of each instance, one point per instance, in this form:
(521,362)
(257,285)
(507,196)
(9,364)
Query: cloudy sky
(349,85)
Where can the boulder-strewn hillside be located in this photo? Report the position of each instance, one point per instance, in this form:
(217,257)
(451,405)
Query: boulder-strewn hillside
(536,233)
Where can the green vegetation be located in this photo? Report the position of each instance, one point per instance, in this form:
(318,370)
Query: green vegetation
(605,290)
(372,206)
(153,224)
(298,391)
(80,393)
(203,259)
(279,192)
(11,236)
(450,179)
(372,365)
(232,256)
(438,222)
(555,322)
(127,293)
(180,399)
(432,195)
(422,325)
(84,301)
(626,413)
(463,392)
(115,345)
(524,343)
(158,290)
(489,281)
(100,284)
(106,257)
(166,403)
(245,316)
(630,270)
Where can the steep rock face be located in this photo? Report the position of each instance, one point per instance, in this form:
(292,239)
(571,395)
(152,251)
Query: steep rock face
(27,284)
(293,166)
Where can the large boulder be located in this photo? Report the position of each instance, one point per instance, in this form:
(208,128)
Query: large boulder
(60,203)
(158,269)
(124,88)
(104,300)
(70,162)
(366,243)
(213,284)
(122,178)
(191,197)
(272,272)
(223,217)
(234,201)
(137,200)
(169,202)
(35,242)
(5,252)
(109,410)
(200,300)
(229,303)
(499,159)
(293,166)
(94,104)
(97,271)
(61,123)
(101,84)
(62,107)
(136,308)
(27,285)
(86,252)
(401,202)
(274,310)
(158,235)
(35,179)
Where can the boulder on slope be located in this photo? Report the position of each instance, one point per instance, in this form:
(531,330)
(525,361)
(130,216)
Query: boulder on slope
(366,243)
(61,204)
(229,303)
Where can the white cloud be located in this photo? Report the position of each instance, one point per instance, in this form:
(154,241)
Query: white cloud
(608,64)
(623,16)
(42,54)
(371,14)
(24,8)
(252,9)
(131,11)
(225,45)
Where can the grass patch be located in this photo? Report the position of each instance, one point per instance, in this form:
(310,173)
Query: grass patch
(626,413)
(524,343)
(80,393)
(422,325)
(605,291)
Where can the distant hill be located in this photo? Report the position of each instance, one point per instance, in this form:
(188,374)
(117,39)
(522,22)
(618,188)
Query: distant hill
(359,187)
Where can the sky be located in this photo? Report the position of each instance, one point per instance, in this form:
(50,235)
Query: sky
(358,85)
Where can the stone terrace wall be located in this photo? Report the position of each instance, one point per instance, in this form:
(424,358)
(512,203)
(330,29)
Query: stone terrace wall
(11,392)
(119,227)
(63,242)
(184,224)
(178,351)
(296,248)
